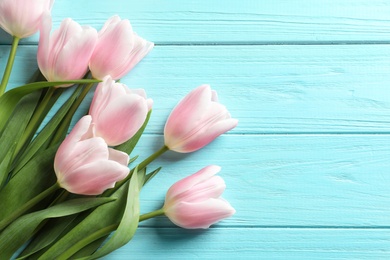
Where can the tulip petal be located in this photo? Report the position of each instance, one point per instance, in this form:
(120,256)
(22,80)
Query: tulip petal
(205,137)
(78,131)
(187,183)
(94,178)
(44,43)
(127,114)
(118,156)
(141,48)
(79,48)
(116,39)
(22,18)
(84,152)
(199,214)
(187,116)
(210,188)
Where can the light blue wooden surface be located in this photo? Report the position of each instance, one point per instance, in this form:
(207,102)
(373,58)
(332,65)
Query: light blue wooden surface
(308,167)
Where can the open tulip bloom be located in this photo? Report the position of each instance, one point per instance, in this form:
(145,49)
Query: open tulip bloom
(118,49)
(75,184)
(196,121)
(194,202)
(22,18)
(117,111)
(85,165)
(65,54)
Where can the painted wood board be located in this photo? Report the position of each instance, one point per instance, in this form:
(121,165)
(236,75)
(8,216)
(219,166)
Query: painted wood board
(287,180)
(237,22)
(307,168)
(270,89)
(257,243)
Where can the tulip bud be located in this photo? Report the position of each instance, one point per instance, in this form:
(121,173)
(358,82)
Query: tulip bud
(85,165)
(117,111)
(118,49)
(194,202)
(65,54)
(196,121)
(22,18)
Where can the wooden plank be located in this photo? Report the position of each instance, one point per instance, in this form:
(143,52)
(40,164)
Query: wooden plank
(270,89)
(256,243)
(237,22)
(287,180)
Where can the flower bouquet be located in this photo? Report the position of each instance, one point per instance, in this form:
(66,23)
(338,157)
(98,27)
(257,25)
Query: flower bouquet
(73,192)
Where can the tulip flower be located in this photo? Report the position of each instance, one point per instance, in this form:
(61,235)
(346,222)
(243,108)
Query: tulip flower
(117,111)
(118,49)
(196,121)
(85,165)
(22,18)
(194,202)
(66,53)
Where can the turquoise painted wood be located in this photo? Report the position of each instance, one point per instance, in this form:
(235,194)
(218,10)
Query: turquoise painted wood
(308,167)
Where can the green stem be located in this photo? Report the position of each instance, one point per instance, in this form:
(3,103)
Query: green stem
(35,120)
(152,214)
(152,157)
(142,165)
(10,63)
(27,206)
(66,121)
(102,233)
(86,241)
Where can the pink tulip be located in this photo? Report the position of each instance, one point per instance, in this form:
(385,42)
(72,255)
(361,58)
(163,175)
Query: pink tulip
(194,202)
(117,111)
(22,18)
(118,50)
(196,121)
(66,53)
(85,165)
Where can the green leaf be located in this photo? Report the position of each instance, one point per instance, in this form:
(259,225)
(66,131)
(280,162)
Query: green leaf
(15,127)
(47,235)
(5,165)
(150,175)
(128,146)
(32,179)
(87,224)
(19,232)
(41,140)
(129,221)
(9,99)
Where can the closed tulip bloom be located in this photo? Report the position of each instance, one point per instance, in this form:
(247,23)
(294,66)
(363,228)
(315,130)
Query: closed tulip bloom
(118,49)
(196,121)
(117,111)
(22,18)
(194,202)
(85,165)
(65,54)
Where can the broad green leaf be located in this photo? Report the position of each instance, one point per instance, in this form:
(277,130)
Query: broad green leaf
(88,223)
(15,128)
(9,99)
(41,140)
(5,165)
(19,232)
(47,235)
(32,179)
(128,146)
(129,221)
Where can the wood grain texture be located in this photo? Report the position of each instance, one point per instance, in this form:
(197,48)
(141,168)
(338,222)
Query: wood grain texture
(257,243)
(307,168)
(287,180)
(270,89)
(237,22)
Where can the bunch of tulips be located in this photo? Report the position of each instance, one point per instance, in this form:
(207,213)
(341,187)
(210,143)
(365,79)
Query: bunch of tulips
(68,192)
